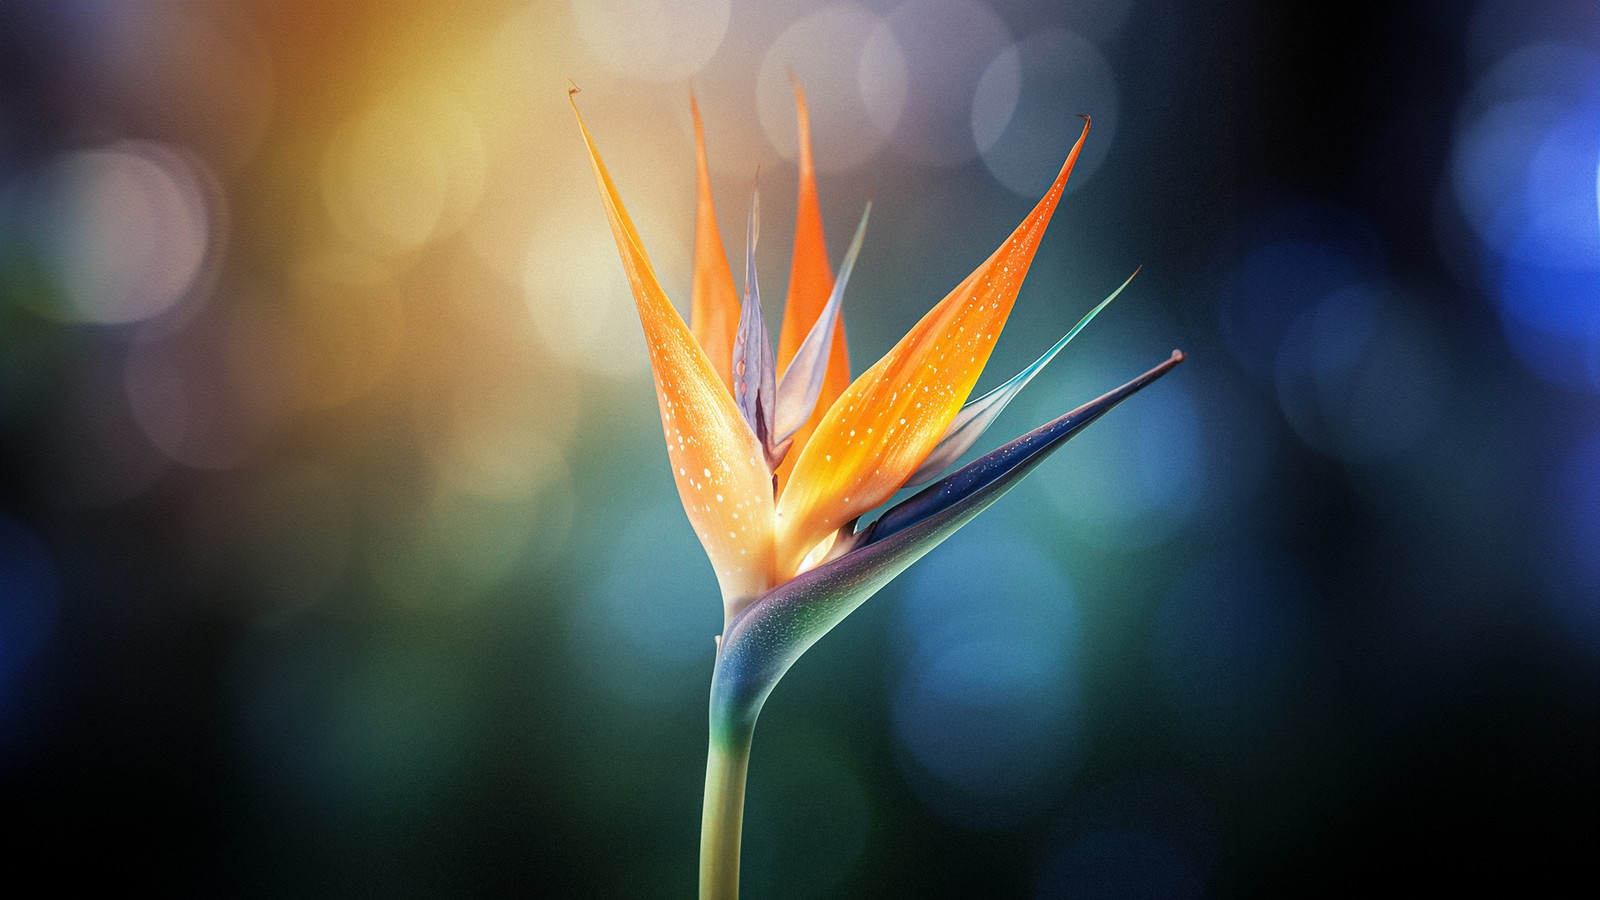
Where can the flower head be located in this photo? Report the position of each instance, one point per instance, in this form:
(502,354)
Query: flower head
(777,456)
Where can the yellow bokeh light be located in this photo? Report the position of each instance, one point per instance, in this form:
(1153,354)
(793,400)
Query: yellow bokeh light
(408,170)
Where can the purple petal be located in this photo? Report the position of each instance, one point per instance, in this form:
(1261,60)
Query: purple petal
(753,366)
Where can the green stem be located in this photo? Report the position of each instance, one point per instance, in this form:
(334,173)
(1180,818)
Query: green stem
(727,760)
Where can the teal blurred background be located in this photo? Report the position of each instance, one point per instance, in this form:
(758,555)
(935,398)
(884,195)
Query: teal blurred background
(339,556)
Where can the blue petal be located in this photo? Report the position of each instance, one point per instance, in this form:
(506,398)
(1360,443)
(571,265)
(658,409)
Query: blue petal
(976,417)
(753,366)
(802,381)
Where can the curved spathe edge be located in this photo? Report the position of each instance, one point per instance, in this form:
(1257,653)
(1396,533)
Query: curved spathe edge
(768,636)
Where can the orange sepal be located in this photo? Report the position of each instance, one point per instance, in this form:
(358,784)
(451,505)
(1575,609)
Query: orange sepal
(714,302)
(882,427)
(721,474)
(810,283)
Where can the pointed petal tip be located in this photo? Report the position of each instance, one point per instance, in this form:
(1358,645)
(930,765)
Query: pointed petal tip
(802,118)
(752,229)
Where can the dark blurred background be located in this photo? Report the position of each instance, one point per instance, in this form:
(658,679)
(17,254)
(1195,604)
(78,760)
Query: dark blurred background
(338,555)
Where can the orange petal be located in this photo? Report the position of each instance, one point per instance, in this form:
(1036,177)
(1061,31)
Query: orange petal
(714,303)
(722,476)
(882,427)
(810,283)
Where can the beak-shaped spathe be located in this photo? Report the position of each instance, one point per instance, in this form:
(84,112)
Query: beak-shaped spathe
(720,469)
(879,431)
(761,643)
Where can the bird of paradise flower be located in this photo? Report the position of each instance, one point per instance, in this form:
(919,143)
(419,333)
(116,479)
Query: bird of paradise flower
(777,458)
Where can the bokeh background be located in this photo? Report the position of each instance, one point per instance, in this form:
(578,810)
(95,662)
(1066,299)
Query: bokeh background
(339,556)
